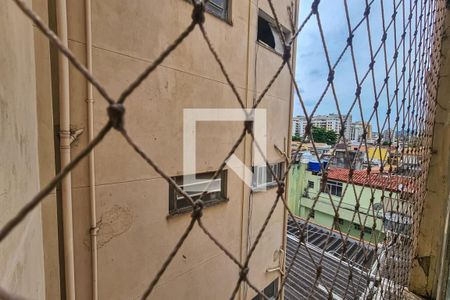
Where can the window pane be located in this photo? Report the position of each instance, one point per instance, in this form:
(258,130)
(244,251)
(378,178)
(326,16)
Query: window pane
(260,175)
(194,187)
(339,191)
(182,203)
(265,33)
(269,175)
(218,3)
(271,290)
(281,170)
(263,176)
(218,8)
(199,186)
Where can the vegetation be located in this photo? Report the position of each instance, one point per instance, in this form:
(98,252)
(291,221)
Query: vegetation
(321,135)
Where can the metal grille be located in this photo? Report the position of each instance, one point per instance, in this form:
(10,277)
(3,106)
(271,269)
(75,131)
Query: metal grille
(323,263)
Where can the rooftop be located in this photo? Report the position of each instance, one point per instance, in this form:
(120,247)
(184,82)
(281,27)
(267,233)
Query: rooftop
(345,276)
(375,179)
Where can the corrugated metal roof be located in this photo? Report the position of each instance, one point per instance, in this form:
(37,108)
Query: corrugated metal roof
(342,278)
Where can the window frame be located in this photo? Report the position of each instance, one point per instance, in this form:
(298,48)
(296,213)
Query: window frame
(227,18)
(271,21)
(174,199)
(277,167)
(227,9)
(333,185)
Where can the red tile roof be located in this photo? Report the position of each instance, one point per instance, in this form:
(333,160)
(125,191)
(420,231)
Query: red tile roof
(374,179)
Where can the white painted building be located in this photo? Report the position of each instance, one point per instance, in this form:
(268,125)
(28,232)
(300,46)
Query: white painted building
(357,131)
(329,122)
(298,126)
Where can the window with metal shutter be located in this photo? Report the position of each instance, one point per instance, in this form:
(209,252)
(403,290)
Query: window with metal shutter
(218,8)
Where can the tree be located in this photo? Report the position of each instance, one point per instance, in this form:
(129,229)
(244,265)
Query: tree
(296,138)
(321,135)
(331,137)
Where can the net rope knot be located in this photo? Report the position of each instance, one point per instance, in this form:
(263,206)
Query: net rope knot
(318,271)
(197,212)
(350,173)
(350,40)
(394,14)
(243,273)
(248,125)
(308,129)
(301,237)
(115,114)
(198,13)
(287,53)
(358,91)
(367,11)
(315,6)
(280,190)
(330,76)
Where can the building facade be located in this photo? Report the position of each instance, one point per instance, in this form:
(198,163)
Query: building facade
(357,132)
(298,126)
(139,219)
(358,214)
(329,122)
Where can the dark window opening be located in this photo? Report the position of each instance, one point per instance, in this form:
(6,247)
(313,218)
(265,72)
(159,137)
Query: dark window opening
(310,184)
(268,33)
(270,291)
(194,187)
(265,33)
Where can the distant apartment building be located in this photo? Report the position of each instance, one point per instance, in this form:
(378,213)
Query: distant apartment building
(357,131)
(329,122)
(139,217)
(298,126)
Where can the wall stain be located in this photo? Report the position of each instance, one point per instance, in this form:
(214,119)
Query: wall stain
(113,223)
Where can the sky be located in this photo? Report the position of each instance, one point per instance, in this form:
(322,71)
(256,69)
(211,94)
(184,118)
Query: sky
(311,65)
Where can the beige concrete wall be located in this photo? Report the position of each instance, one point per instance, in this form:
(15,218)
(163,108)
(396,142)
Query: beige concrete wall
(135,232)
(21,253)
(46,147)
(426,265)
